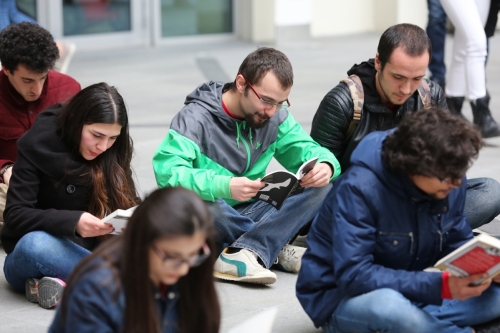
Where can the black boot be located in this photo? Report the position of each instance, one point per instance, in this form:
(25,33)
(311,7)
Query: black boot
(455,104)
(483,119)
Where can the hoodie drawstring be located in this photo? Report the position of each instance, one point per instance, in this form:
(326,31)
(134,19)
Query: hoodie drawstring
(238,135)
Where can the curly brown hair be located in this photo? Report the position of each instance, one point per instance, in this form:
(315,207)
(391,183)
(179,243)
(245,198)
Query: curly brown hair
(432,142)
(28,44)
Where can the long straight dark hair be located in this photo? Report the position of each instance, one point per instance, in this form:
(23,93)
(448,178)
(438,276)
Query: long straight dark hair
(111,182)
(167,213)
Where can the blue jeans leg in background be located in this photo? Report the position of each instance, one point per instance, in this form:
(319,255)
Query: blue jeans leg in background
(260,227)
(482,201)
(436,30)
(386,310)
(39,254)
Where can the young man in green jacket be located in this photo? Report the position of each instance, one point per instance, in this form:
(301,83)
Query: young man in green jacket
(220,144)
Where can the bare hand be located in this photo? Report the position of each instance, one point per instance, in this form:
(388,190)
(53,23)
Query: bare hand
(319,176)
(7,175)
(244,189)
(462,289)
(91,226)
(497,279)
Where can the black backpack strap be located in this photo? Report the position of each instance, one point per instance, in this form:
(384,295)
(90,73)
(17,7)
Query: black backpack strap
(425,94)
(358,98)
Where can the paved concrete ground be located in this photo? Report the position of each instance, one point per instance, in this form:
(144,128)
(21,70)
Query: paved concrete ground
(154,83)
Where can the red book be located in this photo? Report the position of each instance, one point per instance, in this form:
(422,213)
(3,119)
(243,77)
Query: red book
(479,255)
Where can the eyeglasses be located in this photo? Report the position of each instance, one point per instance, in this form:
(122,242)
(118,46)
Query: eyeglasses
(279,106)
(173,262)
(449,180)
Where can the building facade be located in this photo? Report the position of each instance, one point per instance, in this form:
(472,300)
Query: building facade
(104,24)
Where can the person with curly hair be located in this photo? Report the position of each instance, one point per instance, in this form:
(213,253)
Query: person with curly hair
(396,211)
(27,87)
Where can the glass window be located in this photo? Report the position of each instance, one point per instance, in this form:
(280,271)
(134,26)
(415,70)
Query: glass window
(27,7)
(83,17)
(195,17)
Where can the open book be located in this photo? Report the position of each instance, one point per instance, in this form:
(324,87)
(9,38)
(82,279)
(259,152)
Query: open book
(282,184)
(479,255)
(118,219)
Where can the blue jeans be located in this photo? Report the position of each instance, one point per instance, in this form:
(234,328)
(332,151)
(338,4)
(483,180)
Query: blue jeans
(9,14)
(39,254)
(482,201)
(260,227)
(386,310)
(436,30)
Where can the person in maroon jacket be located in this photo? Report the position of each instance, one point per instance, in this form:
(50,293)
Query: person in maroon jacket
(27,87)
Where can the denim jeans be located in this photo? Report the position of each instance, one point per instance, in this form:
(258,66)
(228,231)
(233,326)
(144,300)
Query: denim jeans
(39,254)
(482,201)
(386,310)
(260,227)
(436,30)
(9,14)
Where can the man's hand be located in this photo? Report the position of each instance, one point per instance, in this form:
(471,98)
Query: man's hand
(91,226)
(7,175)
(462,289)
(243,189)
(319,176)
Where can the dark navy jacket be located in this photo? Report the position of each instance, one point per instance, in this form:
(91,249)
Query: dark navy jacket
(377,230)
(95,305)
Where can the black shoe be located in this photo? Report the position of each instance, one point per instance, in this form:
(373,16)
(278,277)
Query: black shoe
(455,104)
(483,119)
(490,327)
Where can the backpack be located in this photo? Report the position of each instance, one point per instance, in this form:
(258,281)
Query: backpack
(355,86)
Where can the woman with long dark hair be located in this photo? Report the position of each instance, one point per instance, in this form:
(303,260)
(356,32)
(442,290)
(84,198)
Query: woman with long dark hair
(157,277)
(73,168)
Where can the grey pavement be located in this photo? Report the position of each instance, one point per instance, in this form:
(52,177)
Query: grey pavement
(154,83)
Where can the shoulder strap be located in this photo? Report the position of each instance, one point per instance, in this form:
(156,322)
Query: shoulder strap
(358,98)
(425,94)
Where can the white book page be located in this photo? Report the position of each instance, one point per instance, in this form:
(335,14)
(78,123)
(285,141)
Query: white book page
(306,167)
(119,219)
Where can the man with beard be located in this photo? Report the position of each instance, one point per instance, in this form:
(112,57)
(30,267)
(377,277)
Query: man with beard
(391,83)
(220,144)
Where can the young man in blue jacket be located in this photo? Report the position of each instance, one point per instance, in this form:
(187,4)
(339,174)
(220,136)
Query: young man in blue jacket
(394,213)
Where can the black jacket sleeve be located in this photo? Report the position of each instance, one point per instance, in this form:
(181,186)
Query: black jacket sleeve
(21,213)
(332,119)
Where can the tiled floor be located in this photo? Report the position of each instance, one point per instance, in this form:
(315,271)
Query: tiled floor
(154,83)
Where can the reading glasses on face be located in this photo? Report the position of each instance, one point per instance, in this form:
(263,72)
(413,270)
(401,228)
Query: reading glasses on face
(280,105)
(174,262)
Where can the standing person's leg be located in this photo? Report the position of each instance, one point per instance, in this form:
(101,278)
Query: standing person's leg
(482,202)
(436,30)
(39,254)
(386,310)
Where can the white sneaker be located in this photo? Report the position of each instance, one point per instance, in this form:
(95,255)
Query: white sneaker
(290,258)
(243,267)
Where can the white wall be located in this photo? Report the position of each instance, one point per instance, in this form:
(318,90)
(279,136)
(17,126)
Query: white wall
(293,12)
(340,17)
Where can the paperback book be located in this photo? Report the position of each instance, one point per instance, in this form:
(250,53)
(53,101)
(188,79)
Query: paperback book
(118,219)
(282,184)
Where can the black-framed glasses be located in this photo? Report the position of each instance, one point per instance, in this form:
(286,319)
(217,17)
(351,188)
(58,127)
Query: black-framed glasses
(449,180)
(279,106)
(174,262)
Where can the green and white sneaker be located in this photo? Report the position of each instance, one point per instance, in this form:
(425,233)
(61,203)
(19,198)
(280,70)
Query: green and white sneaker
(242,267)
(290,258)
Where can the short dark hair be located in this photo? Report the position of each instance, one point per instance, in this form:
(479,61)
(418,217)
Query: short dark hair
(432,142)
(411,38)
(263,60)
(28,44)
